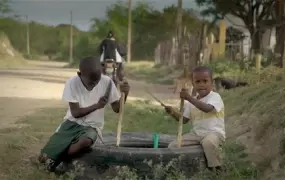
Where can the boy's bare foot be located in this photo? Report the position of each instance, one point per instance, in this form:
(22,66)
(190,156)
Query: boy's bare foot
(49,164)
(220,170)
(42,158)
(217,170)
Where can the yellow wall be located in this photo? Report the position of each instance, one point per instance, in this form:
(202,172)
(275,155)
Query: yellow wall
(222,38)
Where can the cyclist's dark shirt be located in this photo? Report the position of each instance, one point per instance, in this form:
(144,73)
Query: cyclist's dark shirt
(109,46)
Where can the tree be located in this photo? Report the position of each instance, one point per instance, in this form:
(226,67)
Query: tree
(251,12)
(5,7)
(149,26)
(117,20)
(234,35)
(85,46)
(279,17)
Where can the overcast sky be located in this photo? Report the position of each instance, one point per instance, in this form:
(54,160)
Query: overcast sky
(57,11)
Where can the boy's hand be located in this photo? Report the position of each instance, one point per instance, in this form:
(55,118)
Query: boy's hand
(102,102)
(124,87)
(184,94)
(169,109)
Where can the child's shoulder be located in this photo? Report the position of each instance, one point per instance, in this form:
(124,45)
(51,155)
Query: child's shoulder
(105,78)
(73,80)
(213,94)
(104,81)
(76,81)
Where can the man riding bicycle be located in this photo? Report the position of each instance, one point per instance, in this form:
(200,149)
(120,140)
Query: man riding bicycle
(110,50)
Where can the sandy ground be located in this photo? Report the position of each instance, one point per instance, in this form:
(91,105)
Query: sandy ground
(40,85)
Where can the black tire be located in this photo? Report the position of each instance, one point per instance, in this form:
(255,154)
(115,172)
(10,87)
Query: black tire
(136,147)
(110,137)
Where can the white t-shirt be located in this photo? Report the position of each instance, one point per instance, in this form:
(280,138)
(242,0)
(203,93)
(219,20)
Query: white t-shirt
(74,91)
(204,123)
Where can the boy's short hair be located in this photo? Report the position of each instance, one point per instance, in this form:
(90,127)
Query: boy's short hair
(89,62)
(203,69)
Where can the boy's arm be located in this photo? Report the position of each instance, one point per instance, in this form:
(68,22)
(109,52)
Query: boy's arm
(176,116)
(200,105)
(78,112)
(114,98)
(214,103)
(69,95)
(116,104)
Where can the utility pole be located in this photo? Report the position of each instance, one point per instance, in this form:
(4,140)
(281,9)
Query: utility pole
(185,70)
(28,36)
(179,32)
(71,40)
(129,53)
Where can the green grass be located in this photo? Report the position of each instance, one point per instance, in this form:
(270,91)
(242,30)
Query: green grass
(151,73)
(256,113)
(258,100)
(160,74)
(16,145)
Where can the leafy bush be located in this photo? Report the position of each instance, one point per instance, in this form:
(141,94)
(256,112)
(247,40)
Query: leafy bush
(224,66)
(31,56)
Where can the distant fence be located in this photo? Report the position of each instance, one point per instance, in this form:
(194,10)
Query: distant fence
(166,52)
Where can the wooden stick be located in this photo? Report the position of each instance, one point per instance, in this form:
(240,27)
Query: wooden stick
(180,125)
(155,98)
(121,113)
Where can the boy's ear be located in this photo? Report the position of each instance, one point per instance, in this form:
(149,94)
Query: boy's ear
(79,73)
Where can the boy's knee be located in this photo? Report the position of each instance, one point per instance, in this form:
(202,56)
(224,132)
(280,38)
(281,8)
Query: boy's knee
(173,144)
(86,142)
(208,144)
(211,141)
(89,138)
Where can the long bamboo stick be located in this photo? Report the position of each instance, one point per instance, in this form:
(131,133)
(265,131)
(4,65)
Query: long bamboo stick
(120,121)
(180,125)
(180,33)
(155,98)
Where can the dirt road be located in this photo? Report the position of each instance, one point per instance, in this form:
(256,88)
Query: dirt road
(40,85)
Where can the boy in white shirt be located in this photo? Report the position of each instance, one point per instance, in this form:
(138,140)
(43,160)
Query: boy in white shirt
(206,111)
(87,94)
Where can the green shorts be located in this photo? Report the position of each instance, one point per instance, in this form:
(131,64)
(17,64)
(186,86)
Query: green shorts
(68,133)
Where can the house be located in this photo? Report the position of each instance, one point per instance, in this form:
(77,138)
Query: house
(268,38)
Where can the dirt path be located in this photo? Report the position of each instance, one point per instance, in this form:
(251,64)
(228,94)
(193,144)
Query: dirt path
(40,85)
